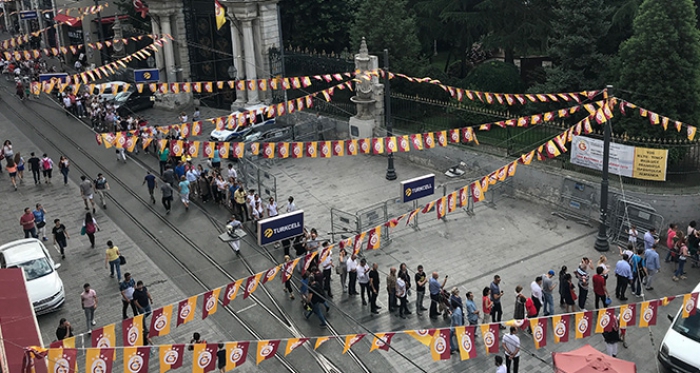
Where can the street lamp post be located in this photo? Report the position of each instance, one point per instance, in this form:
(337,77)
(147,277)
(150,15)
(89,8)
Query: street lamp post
(103,51)
(390,171)
(601,241)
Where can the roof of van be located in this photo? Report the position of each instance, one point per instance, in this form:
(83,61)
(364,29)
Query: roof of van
(257,107)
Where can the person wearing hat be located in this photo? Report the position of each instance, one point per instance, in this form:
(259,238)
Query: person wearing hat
(548,287)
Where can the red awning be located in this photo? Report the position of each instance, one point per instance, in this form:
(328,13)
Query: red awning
(108,20)
(68,20)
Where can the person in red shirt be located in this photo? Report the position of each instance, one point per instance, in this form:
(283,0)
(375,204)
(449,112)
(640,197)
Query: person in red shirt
(27,223)
(670,235)
(599,289)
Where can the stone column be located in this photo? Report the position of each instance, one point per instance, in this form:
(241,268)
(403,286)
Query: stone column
(237,60)
(250,62)
(8,21)
(158,54)
(168,48)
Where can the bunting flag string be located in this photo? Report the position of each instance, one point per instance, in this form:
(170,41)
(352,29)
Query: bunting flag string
(655,118)
(103,352)
(19,55)
(21,39)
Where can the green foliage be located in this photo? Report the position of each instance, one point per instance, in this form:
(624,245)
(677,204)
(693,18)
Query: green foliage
(578,64)
(494,76)
(659,65)
(317,25)
(388,24)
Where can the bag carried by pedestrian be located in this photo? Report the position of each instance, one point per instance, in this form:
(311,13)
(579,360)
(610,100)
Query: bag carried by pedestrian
(122,260)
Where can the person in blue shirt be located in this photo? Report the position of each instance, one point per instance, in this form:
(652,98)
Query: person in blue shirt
(456,320)
(472,312)
(216,159)
(652,265)
(185,192)
(40,221)
(650,238)
(180,170)
(623,272)
(434,287)
(638,272)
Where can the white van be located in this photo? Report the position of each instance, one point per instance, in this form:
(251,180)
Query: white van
(262,122)
(680,348)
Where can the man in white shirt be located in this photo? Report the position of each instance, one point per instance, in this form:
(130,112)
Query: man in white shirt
(290,204)
(511,346)
(272,208)
(351,263)
(363,279)
(327,266)
(231,172)
(536,291)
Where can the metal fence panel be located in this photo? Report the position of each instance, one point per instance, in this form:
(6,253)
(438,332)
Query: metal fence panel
(343,224)
(632,211)
(267,183)
(576,201)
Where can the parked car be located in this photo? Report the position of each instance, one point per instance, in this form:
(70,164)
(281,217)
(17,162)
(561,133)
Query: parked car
(238,131)
(44,286)
(680,347)
(108,96)
(273,135)
(133,101)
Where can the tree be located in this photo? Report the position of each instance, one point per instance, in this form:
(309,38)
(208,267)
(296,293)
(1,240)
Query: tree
(321,25)
(659,65)
(387,24)
(577,27)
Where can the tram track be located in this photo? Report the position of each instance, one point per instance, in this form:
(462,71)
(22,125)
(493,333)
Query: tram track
(280,316)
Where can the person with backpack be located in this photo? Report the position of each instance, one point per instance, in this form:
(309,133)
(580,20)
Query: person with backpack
(101,186)
(89,228)
(638,272)
(64,168)
(46,167)
(612,337)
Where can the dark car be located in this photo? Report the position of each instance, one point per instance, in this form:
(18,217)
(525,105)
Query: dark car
(132,101)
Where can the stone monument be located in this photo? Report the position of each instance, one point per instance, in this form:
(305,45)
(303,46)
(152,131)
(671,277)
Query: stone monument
(369,97)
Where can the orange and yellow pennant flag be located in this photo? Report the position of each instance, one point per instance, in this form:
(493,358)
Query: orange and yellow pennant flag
(350,340)
(375,238)
(417,141)
(324,149)
(224,150)
(452,201)
(391,145)
(266,350)
(171,357)
(628,315)
(219,14)
(442,138)
(404,143)
(236,353)
(381,341)
(210,302)
(268,149)
(561,324)
(440,344)
(185,310)
(423,336)
(477,191)
(160,321)
(312,149)
(338,148)
(293,344)
(429,139)
(647,313)
(441,207)
(251,284)
(320,341)
(465,341)
(297,150)
(690,305)
(232,291)
(365,145)
(283,150)
(584,324)
(352,147)
(377,145)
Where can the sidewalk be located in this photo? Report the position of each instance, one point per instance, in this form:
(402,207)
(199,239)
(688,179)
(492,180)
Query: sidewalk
(83,264)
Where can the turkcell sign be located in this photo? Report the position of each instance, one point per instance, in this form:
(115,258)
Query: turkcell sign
(28,14)
(280,227)
(146,75)
(419,187)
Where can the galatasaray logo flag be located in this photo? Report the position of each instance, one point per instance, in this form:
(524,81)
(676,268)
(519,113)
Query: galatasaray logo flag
(209,148)
(381,341)
(358,242)
(193,149)
(63,360)
(311,149)
(465,338)
(539,331)
(352,147)
(477,192)
(605,320)
(451,201)
(440,345)
(365,146)
(423,336)
(238,149)
(690,305)
(170,357)
(136,359)
(185,310)
(628,315)
(251,284)
(104,337)
(561,325)
(223,149)
(266,350)
(454,135)
(489,332)
(210,302)
(647,313)
(231,291)
(283,149)
(417,141)
(288,269)
(442,138)
(268,150)
(293,344)
(99,360)
(350,340)
(236,353)
(324,149)
(375,238)
(377,146)
(441,209)
(160,321)
(255,148)
(463,195)
(511,168)
(429,139)
(583,324)
(176,147)
(404,143)
(339,148)
(271,273)
(297,150)
(132,331)
(391,144)
(204,357)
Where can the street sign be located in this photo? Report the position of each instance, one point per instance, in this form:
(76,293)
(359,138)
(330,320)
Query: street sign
(63,77)
(146,75)
(28,14)
(280,227)
(419,187)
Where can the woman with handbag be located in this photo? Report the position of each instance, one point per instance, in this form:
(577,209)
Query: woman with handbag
(89,228)
(113,258)
(570,295)
(682,258)
(520,299)
(64,167)
(342,269)
(40,221)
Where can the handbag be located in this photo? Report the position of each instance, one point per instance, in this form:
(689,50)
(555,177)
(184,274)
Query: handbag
(122,260)
(82,231)
(337,270)
(573,294)
(608,301)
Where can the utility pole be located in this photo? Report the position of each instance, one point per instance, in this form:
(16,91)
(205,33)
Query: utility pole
(103,53)
(390,171)
(601,241)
